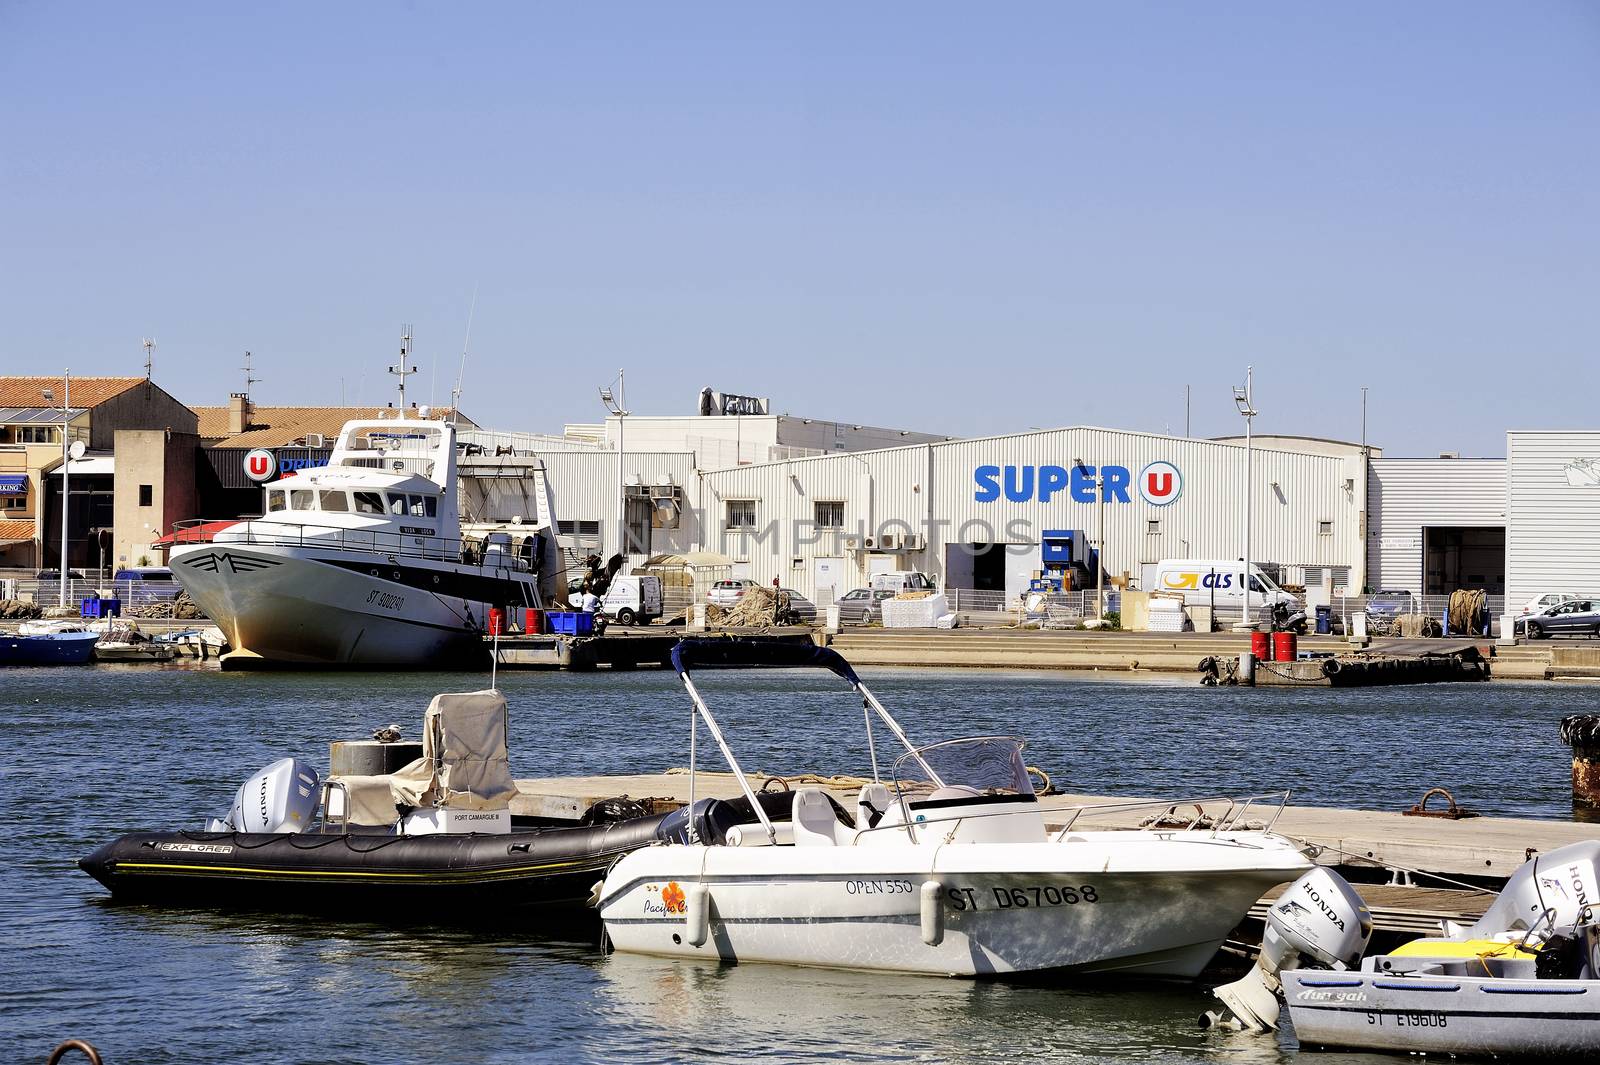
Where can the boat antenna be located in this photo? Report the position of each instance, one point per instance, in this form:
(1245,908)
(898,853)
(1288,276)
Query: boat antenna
(401,369)
(149,355)
(455,393)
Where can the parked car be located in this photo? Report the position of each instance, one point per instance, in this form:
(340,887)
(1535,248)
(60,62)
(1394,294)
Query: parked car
(862,606)
(144,584)
(55,575)
(1577,617)
(801,611)
(1543,602)
(727,593)
(1384,606)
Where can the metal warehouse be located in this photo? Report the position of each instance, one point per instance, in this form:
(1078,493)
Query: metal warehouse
(1552,513)
(976,513)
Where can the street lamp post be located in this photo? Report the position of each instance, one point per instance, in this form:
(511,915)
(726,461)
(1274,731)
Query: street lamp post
(1100,558)
(66,425)
(613,403)
(1244,399)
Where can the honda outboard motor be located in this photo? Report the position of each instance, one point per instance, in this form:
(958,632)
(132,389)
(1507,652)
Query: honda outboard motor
(1547,892)
(283,797)
(1320,918)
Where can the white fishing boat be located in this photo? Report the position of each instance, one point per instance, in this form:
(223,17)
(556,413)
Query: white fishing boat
(362,562)
(1522,981)
(947,868)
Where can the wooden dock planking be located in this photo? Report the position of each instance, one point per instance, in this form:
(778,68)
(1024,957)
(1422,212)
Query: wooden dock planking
(1490,847)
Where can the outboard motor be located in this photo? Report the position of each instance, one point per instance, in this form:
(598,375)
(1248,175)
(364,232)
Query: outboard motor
(1320,918)
(283,797)
(1547,892)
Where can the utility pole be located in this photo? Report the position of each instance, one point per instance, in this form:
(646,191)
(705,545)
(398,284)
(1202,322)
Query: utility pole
(1244,399)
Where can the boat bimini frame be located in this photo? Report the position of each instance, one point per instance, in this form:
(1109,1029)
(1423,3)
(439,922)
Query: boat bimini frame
(736,652)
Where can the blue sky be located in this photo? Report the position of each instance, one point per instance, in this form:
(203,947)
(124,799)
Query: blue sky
(958,218)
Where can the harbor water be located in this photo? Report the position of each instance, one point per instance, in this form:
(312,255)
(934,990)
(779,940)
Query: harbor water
(98,751)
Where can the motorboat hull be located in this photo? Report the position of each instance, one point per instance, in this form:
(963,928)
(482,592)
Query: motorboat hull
(301,606)
(377,875)
(1005,909)
(51,649)
(1444,1014)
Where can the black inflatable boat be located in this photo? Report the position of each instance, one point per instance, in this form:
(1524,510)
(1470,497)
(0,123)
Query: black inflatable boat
(460,876)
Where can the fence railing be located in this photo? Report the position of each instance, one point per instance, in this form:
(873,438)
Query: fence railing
(47,593)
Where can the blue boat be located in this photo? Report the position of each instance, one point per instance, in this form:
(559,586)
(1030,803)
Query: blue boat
(47,649)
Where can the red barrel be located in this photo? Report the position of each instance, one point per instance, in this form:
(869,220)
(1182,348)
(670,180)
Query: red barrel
(497,621)
(1261,646)
(1284,647)
(533,622)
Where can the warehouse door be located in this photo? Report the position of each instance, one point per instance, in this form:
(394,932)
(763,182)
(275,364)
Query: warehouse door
(1463,557)
(827,580)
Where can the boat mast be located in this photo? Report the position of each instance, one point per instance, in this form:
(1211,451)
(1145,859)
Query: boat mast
(401,369)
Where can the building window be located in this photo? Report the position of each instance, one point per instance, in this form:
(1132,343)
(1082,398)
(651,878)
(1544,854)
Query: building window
(828,515)
(38,434)
(147,495)
(578,528)
(741,514)
(13,502)
(1324,528)
(1153,527)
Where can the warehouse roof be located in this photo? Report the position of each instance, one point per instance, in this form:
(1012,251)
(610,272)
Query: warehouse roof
(284,426)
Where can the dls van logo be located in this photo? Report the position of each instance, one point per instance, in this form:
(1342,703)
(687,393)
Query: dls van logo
(260,464)
(1159,484)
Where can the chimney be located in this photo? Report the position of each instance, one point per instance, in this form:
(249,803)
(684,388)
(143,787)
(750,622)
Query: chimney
(238,412)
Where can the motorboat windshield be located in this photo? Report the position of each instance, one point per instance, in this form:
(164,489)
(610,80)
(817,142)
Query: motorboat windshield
(963,769)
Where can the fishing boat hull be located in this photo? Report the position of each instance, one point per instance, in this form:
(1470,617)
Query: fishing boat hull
(1445,1014)
(1000,909)
(52,649)
(301,606)
(449,877)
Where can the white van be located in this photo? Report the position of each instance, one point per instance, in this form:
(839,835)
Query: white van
(1218,580)
(633,599)
(902,580)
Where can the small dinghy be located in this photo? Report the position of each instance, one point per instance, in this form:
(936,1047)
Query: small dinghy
(1523,981)
(951,871)
(432,841)
(126,643)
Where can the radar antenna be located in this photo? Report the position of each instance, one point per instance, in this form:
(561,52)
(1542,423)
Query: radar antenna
(403,369)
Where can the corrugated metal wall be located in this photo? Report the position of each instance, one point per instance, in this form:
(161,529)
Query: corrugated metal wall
(1552,514)
(1405,495)
(584,487)
(931,489)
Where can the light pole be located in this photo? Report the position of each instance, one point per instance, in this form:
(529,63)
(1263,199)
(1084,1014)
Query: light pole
(66,425)
(613,403)
(1244,399)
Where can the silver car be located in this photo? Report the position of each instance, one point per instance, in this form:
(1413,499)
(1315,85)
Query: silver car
(863,606)
(727,593)
(1578,617)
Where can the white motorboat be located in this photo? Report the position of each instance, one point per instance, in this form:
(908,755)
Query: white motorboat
(1522,981)
(950,871)
(361,562)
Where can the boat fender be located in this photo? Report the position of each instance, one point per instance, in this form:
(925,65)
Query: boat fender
(697,915)
(932,912)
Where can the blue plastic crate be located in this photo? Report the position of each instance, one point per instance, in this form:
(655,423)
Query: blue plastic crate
(570,622)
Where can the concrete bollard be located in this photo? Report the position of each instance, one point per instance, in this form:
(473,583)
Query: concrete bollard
(697,618)
(1508,629)
(1581,732)
(1247,668)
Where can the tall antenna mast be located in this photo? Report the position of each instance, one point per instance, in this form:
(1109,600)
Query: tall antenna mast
(249,379)
(149,356)
(455,393)
(402,369)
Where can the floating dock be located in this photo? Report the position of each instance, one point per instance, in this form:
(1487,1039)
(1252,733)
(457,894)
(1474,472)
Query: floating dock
(618,649)
(1485,848)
